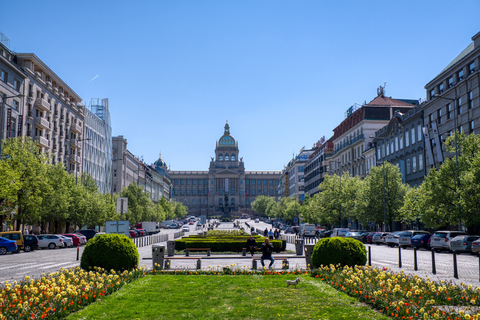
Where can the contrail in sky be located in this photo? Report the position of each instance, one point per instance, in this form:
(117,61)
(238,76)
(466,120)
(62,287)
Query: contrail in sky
(94,78)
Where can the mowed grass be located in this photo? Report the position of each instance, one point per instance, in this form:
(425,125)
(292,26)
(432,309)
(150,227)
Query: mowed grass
(226,297)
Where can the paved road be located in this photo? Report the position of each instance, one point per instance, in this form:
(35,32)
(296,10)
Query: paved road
(16,267)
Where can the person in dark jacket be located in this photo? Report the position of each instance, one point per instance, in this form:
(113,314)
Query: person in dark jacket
(251,245)
(267,250)
(265,233)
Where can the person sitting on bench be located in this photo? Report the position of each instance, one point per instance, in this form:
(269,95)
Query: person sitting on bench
(267,250)
(251,244)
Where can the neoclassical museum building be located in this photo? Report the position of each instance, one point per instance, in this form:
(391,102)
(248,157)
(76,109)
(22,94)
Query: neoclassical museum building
(226,188)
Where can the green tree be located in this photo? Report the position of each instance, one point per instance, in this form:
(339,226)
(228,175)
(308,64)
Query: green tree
(23,161)
(261,204)
(382,195)
(140,207)
(410,212)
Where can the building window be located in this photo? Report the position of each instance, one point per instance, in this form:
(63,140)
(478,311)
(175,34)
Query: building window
(449,111)
(378,154)
(420,162)
(182,182)
(419,132)
(439,116)
(450,82)
(227,158)
(253,191)
(432,93)
(459,106)
(401,142)
(440,88)
(396,144)
(387,149)
(460,129)
(220,157)
(3,75)
(176,182)
(460,75)
(194,182)
(232,191)
(16,84)
(232,157)
(413,135)
(408,166)
(391,146)
(247,182)
(407,138)
(205,192)
(182,191)
(271,192)
(430,118)
(16,105)
(194,192)
(470,100)
(472,126)
(471,67)
(220,191)
(247,191)
(414,164)
(188,182)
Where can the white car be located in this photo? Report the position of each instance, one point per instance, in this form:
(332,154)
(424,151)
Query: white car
(67,242)
(50,241)
(186,228)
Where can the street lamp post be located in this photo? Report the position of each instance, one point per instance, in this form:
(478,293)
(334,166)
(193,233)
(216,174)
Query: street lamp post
(1,115)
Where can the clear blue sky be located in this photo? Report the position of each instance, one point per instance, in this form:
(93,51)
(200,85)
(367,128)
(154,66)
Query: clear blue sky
(282,72)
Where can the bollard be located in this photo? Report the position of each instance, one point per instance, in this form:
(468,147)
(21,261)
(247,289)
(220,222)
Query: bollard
(415,267)
(434,270)
(244,252)
(199,264)
(370,256)
(254,264)
(455,269)
(479,267)
(399,256)
(78,253)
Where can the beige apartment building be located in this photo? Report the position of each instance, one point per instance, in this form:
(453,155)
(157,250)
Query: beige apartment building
(226,188)
(54,115)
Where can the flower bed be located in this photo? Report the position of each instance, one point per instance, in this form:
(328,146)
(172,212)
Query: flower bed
(403,296)
(58,294)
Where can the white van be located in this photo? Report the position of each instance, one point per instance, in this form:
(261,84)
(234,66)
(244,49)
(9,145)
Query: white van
(307,230)
(339,232)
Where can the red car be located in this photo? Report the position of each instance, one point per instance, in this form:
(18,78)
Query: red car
(76,240)
(133,234)
(142,232)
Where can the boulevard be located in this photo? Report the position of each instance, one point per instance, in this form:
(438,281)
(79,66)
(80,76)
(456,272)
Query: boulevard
(34,264)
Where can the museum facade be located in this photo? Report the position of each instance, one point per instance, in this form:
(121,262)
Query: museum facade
(226,188)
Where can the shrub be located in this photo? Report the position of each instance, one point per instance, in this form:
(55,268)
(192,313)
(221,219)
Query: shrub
(110,251)
(337,250)
(226,220)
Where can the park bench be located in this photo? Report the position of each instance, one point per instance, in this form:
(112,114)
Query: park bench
(244,251)
(199,261)
(187,251)
(285,263)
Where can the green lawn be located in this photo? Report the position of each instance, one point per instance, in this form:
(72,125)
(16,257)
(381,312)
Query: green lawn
(226,297)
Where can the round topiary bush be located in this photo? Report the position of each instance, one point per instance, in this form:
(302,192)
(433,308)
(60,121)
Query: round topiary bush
(337,250)
(110,251)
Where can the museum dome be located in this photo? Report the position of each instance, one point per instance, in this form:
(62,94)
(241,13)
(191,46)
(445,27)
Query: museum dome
(226,140)
(160,163)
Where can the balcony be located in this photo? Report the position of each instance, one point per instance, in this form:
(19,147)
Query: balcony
(74,143)
(43,104)
(74,158)
(42,123)
(42,141)
(76,128)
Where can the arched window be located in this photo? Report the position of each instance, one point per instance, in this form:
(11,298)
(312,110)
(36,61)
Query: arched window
(227,158)
(220,157)
(232,158)
(194,202)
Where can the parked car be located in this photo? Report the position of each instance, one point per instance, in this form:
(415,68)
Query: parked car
(391,239)
(463,244)
(186,228)
(16,236)
(143,233)
(75,238)
(7,245)
(67,242)
(476,246)
(339,232)
(30,242)
(421,241)
(291,230)
(174,226)
(353,235)
(89,233)
(50,241)
(370,236)
(379,238)
(440,240)
(363,236)
(133,234)
(83,239)
(405,237)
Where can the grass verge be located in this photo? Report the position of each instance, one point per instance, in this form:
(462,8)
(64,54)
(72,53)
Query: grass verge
(226,297)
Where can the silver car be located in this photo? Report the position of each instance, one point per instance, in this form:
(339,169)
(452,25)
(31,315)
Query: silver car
(67,242)
(440,240)
(50,241)
(461,244)
(379,238)
(391,239)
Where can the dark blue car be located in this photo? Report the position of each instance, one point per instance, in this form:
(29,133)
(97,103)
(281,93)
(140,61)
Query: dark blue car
(421,241)
(7,246)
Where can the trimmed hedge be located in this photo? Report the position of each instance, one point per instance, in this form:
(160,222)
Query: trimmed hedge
(339,250)
(224,243)
(110,251)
